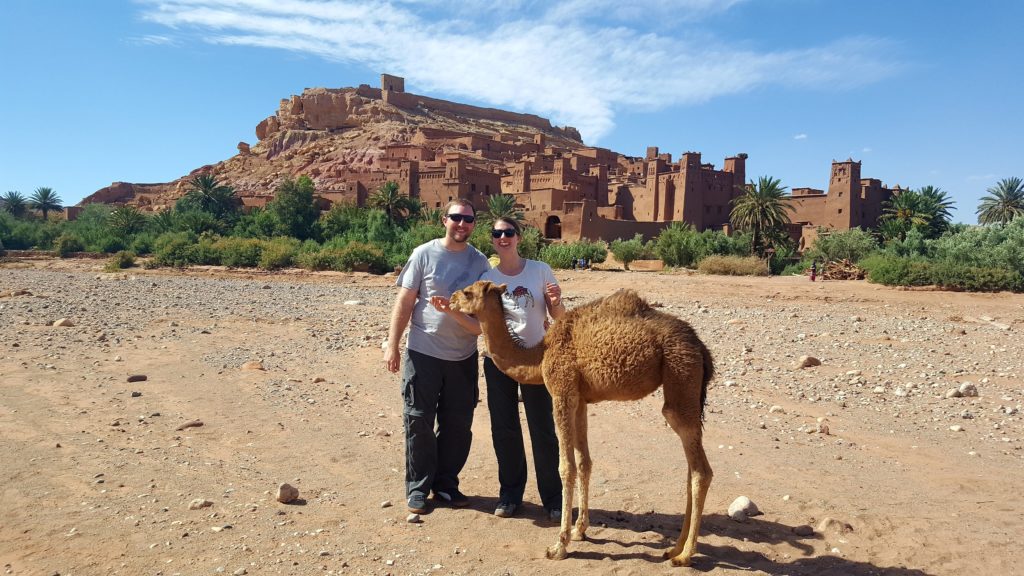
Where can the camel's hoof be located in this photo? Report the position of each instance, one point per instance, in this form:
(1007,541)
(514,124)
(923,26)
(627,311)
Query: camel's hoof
(556,552)
(680,561)
(578,535)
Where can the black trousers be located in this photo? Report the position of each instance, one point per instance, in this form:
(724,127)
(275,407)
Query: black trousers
(445,392)
(507,435)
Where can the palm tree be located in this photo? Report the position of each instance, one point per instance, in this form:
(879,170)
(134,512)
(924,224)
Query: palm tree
(907,210)
(126,220)
(208,195)
(14,203)
(396,205)
(1004,202)
(502,206)
(45,199)
(763,209)
(937,204)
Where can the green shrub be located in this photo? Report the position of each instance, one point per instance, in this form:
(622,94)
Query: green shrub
(626,251)
(974,279)
(325,259)
(2,251)
(174,249)
(681,245)
(108,245)
(279,253)
(885,268)
(852,245)
(733,266)
(563,255)
(66,244)
(363,257)
(143,243)
(119,261)
(238,252)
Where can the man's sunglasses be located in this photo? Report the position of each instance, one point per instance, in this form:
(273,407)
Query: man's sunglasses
(507,233)
(461,218)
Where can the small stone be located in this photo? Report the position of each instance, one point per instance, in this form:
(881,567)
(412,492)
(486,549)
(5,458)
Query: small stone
(287,493)
(776,410)
(136,394)
(956,428)
(65,322)
(386,504)
(968,390)
(353,302)
(199,503)
(833,525)
(413,519)
(190,424)
(138,378)
(319,379)
(954,393)
(253,365)
(240,572)
(807,362)
(742,508)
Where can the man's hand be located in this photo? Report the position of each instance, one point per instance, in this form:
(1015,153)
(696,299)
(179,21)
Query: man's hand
(441,303)
(392,358)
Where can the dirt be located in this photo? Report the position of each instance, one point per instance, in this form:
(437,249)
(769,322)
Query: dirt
(891,476)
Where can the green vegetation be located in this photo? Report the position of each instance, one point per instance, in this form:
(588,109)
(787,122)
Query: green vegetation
(1005,201)
(45,200)
(763,210)
(915,244)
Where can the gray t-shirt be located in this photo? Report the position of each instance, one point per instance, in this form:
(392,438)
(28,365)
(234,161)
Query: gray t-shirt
(433,270)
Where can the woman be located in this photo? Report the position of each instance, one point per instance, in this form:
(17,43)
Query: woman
(531,294)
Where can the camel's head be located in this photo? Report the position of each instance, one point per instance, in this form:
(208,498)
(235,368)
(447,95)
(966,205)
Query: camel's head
(473,298)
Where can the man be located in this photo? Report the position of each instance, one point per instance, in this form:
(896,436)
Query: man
(439,379)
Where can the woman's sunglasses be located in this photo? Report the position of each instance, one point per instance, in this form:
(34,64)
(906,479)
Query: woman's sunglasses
(461,218)
(507,233)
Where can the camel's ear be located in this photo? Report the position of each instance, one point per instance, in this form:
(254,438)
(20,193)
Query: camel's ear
(500,287)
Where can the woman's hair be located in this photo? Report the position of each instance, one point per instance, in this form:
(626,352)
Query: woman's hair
(511,222)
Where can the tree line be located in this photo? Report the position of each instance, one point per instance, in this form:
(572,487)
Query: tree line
(208,226)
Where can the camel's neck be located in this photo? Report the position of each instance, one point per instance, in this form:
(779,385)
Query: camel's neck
(521,364)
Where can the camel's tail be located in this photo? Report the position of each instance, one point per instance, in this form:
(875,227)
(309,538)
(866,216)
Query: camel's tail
(709,373)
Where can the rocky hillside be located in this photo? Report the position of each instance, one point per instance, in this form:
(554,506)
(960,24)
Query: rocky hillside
(333,134)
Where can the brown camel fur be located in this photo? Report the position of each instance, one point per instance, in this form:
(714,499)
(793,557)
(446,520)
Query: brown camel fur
(615,348)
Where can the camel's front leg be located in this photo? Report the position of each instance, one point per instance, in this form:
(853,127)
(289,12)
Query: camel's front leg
(698,481)
(583,464)
(564,408)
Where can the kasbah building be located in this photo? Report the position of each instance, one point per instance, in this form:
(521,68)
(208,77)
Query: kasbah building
(595,193)
(566,190)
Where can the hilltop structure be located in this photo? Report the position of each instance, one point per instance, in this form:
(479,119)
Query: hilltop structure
(352,140)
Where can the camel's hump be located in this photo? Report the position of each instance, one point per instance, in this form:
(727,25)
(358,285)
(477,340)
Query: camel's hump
(624,301)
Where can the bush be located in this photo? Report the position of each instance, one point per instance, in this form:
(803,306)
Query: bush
(174,249)
(354,256)
(852,245)
(143,243)
(626,251)
(2,251)
(893,270)
(563,255)
(66,244)
(238,252)
(279,253)
(681,245)
(119,261)
(733,266)
(108,245)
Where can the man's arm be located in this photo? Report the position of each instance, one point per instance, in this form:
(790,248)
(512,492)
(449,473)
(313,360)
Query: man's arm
(400,315)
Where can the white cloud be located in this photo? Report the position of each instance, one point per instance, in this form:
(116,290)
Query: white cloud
(981,177)
(866,149)
(800,136)
(532,58)
(152,40)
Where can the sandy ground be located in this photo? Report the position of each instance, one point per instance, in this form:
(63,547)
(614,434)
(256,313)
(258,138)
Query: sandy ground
(96,478)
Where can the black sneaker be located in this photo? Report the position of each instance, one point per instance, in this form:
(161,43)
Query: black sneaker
(452,497)
(505,510)
(418,504)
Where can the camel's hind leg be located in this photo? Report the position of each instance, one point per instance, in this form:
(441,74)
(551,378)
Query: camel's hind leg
(583,465)
(685,420)
(564,406)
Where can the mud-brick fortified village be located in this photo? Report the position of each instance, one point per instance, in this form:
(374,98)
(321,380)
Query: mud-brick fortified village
(352,140)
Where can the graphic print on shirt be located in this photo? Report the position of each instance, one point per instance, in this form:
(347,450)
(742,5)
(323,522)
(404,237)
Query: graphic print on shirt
(520,292)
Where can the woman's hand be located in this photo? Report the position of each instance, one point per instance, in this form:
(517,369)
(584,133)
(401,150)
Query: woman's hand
(553,292)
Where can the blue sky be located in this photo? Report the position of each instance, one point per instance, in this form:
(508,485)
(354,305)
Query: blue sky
(922,92)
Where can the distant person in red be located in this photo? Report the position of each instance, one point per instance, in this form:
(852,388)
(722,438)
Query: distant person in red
(814,270)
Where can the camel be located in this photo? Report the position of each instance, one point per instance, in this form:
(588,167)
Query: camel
(615,348)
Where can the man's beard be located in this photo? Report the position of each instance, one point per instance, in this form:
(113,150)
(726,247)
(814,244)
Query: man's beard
(464,236)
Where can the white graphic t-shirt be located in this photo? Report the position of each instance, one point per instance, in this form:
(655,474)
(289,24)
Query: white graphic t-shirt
(525,305)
